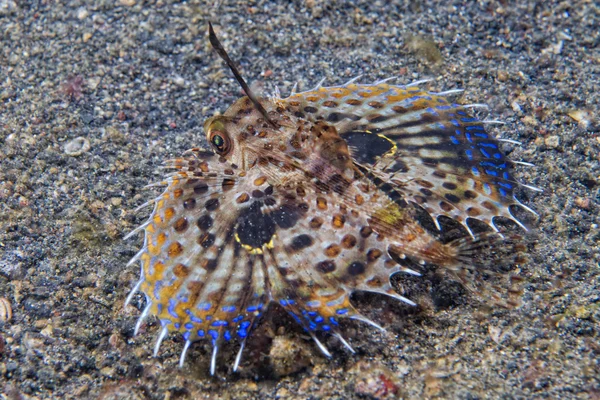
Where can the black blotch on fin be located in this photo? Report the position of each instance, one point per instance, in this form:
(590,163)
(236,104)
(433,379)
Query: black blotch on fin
(366,147)
(254,228)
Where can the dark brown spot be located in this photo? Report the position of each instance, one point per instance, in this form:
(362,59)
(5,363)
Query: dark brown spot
(316,222)
(205,222)
(349,241)
(301,242)
(356,268)
(330,104)
(473,212)
(257,194)
(325,267)
(373,254)
(206,240)
(175,249)
(420,199)
(189,204)
(375,104)
(338,221)
(242,198)
(424,184)
(354,102)
(366,231)
(449,185)
(333,250)
(212,204)
(181,225)
(300,192)
(269,190)
(269,201)
(426,192)
(489,206)
(469,194)
(310,109)
(209,265)
(201,188)
(446,206)
(452,198)
(181,271)
(321,203)
(399,109)
(439,174)
(260,181)
(228,184)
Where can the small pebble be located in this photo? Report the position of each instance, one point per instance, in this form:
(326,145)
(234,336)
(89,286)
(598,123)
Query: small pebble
(289,355)
(552,142)
(582,117)
(77,146)
(82,13)
(5,310)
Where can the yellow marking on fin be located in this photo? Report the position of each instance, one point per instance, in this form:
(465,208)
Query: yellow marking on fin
(391,214)
(391,151)
(256,250)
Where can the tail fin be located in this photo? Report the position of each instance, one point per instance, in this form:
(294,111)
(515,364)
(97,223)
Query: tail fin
(486,267)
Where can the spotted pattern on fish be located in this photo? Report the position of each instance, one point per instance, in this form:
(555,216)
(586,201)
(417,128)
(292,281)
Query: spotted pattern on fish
(316,203)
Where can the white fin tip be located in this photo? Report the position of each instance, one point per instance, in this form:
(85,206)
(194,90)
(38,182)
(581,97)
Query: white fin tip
(213,360)
(136,257)
(184,352)
(351,81)
(535,189)
(410,271)
(510,141)
(493,122)
(238,357)
(367,321)
(322,347)
(527,208)
(161,337)
(136,230)
(417,83)
(524,163)
(319,85)
(385,80)
(400,298)
(476,105)
(133,292)
(448,92)
(294,89)
(344,342)
(141,319)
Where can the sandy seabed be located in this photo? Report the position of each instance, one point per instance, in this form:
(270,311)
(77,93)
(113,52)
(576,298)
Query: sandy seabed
(95,95)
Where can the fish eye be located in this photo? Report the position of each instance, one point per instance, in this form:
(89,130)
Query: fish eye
(220,142)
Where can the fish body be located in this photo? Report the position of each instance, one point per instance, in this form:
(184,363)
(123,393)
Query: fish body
(314,198)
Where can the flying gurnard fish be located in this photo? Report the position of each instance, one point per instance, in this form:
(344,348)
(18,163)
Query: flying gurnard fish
(304,200)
